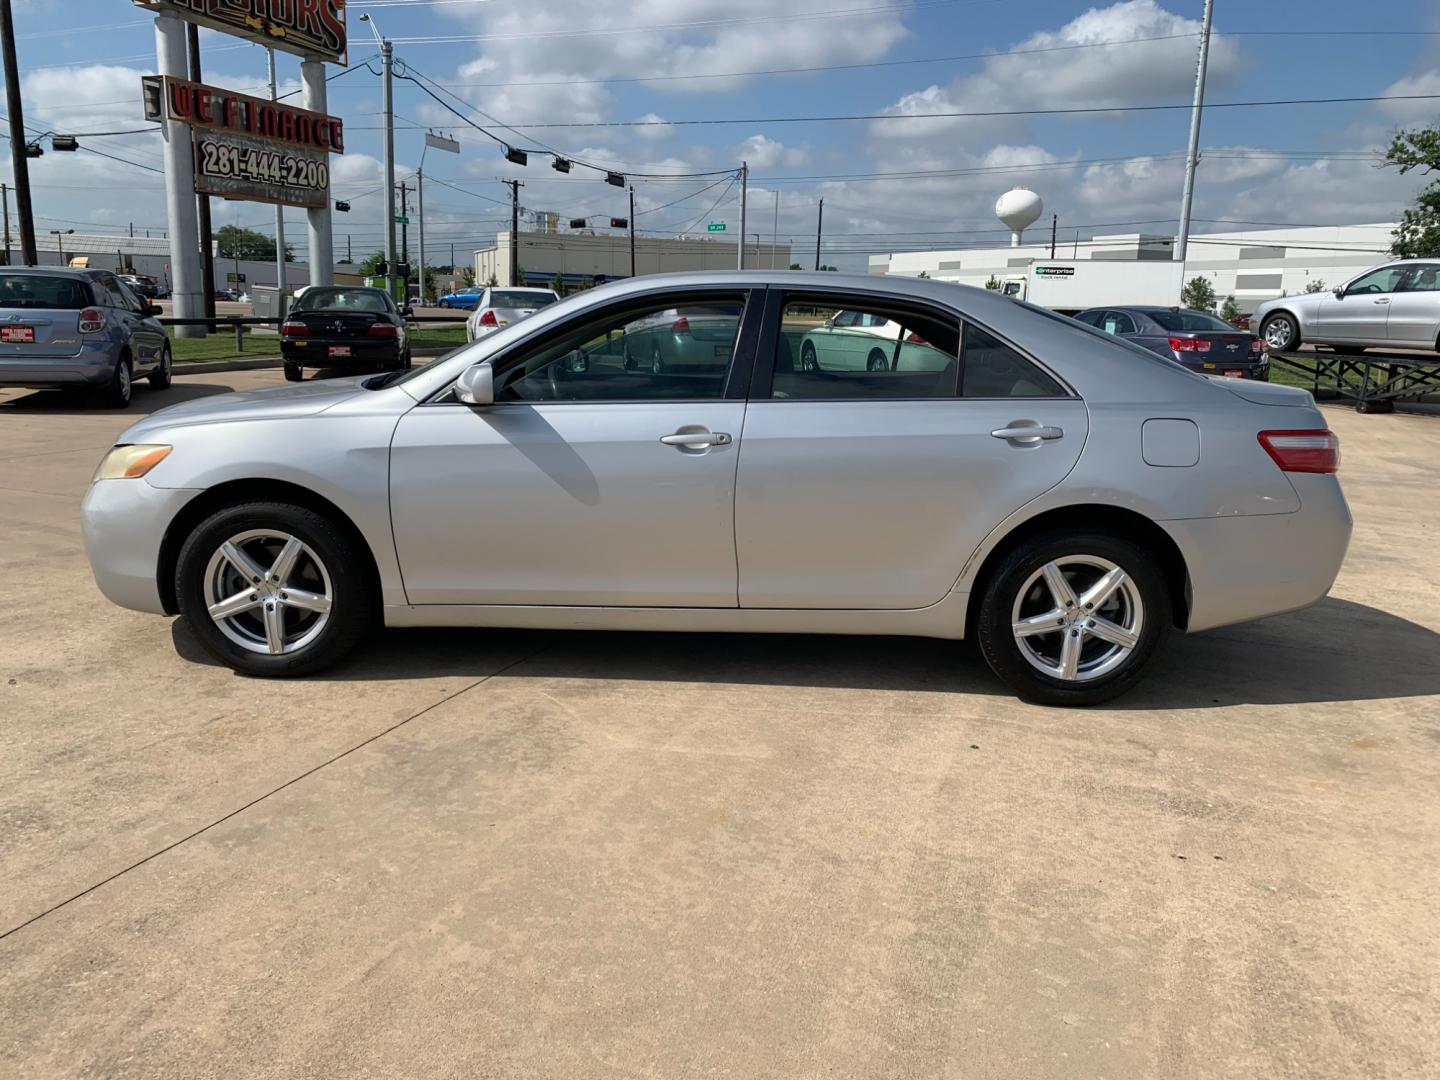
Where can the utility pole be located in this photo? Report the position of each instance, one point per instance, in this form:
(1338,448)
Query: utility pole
(349,255)
(775,230)
(420,209)
(819,225)
(631,221)
(744,180)
(5,202)
(202,202)
(1193,157)
(1054,224)
(515,186)
(387,106)
(404,225)
(279,210)
(19,162)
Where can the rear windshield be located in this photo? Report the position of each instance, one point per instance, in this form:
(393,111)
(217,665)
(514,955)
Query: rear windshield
(1186,319)
(342,300)
(515,298)
(34,291)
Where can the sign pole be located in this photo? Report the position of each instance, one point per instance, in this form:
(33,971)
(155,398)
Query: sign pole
(319,224)
(20,163)
(420,209)
(740,248)
(279,210)
(387,56)
(202,202)
(180,187)
(631,223)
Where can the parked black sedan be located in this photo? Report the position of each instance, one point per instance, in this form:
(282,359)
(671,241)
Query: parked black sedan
(342,326)
(1196,339)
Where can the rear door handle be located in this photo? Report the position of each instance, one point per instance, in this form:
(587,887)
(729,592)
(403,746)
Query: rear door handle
(696,438)
(1027,434)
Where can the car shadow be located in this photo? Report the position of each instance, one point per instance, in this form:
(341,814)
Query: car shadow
(1335,651)
(80,403)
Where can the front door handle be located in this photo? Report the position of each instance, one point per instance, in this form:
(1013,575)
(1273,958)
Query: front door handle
(1027,434)
(696,438)
(1382,300)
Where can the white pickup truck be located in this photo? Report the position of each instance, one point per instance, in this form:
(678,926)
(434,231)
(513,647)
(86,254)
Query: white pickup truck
(1068,286)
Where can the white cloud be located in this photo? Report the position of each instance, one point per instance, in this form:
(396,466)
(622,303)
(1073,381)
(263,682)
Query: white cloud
(657,128)
(1427,82)
(765,153)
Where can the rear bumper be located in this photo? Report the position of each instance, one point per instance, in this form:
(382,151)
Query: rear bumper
(315,352)
(124,522)
(83,369)
(1244,568)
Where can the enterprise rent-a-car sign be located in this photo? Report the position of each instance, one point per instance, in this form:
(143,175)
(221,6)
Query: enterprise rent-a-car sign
(314,28)
(1054,271)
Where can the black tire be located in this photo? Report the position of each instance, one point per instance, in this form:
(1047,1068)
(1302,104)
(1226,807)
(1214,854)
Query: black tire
(1372,406)
(657,362)
(354,603)
(119,388)
(443,304)
(1281,321)
(996,615)
(293,372)
(877,361)
(162,376)
(808,360)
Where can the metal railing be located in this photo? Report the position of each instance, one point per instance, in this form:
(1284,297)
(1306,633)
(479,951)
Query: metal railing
(240,322)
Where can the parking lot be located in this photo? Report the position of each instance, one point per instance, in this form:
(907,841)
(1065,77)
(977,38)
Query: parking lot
(493,853)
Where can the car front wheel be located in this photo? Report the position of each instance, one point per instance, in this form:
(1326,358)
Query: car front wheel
(274,589)
(1281,332)
(1074,618)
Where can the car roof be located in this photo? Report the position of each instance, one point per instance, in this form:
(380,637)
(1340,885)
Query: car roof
(520,288)
(53,271)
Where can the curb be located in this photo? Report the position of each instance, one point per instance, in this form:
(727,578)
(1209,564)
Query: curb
(210,367)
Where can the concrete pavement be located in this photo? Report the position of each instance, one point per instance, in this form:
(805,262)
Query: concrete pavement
(608,855)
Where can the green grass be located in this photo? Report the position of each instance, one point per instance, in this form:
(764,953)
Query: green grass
(437,337)
(221,345)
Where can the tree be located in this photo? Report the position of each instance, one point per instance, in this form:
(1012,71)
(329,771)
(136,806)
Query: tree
(467,275)
(992,283)
(835,269)
(370,265)
(1198,294)
(922,274)
(1418,234)
(1229,309)
(233,242)
(491,282)
(796,266)
(1318,285)
(558,284)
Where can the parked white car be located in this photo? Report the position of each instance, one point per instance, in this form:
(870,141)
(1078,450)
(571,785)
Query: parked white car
(1396,306)
(498,308)
(860,341)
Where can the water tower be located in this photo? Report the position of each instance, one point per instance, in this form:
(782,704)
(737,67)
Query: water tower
(1019,207)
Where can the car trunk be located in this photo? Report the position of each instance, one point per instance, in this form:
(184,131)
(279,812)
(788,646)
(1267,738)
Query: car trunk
(337,325)
(38,333)
(1225,351)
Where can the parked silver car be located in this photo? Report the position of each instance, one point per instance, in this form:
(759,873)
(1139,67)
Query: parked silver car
(72,329)
(1396,306)
(1065,497)
(498,308)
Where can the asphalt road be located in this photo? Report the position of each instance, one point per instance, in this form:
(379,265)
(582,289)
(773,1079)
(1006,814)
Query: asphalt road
(617,855)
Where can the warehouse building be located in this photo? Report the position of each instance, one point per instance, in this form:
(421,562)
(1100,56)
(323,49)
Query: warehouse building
(580,258)
(1251,265)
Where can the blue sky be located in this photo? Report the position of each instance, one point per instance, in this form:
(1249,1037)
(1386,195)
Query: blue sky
(558,61)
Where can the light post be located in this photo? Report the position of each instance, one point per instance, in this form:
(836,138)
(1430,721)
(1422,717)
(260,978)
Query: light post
(388,107)
(59,235)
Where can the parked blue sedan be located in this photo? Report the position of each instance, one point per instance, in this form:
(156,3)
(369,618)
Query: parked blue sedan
(461,298)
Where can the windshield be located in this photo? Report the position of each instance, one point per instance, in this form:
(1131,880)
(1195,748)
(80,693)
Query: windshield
(1186,319)
(372,300)
(34,291)
(518,298)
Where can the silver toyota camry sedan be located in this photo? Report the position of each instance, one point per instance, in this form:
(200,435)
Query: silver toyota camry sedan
(1061,496)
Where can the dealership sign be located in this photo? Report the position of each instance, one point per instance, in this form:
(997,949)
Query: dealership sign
(168,98)
(239,167)
(1055,271)
(311,28)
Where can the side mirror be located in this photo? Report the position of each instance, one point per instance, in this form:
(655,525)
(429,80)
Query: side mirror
(830,323)
(154,309)
(408,310)
(1339,292)
(476,385)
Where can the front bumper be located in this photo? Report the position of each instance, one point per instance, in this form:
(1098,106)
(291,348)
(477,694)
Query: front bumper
(124,523)
(1248,567)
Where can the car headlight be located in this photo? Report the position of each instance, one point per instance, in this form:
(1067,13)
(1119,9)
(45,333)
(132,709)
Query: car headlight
(131,462)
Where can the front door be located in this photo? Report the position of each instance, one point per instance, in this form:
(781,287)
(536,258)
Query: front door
(1415,309)
(588,482)
(1361,314)
(870,489)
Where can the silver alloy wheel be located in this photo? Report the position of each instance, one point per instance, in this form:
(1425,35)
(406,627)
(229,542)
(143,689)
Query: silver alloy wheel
(268,592)
(1278,331)
(1077,618)
(122,379)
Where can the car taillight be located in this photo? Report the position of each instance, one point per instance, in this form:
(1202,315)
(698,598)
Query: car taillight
(1183,344)
(1314,451)
(680,325)
(915,339)
(487,318)
(1256,345)
(92,321)
(294,329)
(383,329)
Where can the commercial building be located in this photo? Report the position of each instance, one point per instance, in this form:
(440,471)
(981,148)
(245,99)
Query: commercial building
(1252,264)
(579,258)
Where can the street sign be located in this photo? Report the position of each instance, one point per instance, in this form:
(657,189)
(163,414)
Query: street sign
(716,226)
(442,142)
(239,167)
(401,219)
(234,278)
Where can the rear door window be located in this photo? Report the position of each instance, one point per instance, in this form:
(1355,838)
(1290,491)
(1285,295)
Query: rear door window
(993,369)
(1117,322)
(36,291)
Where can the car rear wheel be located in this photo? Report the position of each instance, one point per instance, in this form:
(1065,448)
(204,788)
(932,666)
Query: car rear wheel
(274,589)
(162,376)
(808,359)
(293,372)
(1281,332)
(657,362)
(1074,618)
(876,361)
(115,394)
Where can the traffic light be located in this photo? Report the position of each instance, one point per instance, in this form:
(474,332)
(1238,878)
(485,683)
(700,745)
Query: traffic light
(342,206)
(577,223)
(619,223)
(34,149)
(64,142)
(519,157)
(614,179)
(560,164)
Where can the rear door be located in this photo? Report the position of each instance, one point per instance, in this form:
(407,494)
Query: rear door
(124,307)
(870,489)
(1415,309)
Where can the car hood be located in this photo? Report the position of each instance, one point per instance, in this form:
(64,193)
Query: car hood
(272,403)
